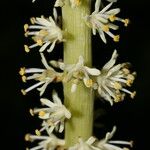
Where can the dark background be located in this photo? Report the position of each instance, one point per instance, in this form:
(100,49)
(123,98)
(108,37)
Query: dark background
(131,116)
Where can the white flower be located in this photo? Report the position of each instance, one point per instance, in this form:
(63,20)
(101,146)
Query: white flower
(53,115)
(45,32)
(46,142)
(102,21)
(44,76)
(85,145)
(107,144)
(77,72)
(113,80)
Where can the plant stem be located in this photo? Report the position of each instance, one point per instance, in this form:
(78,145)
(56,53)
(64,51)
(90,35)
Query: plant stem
(80,103)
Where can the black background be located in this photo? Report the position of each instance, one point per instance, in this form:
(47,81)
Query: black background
(131,116)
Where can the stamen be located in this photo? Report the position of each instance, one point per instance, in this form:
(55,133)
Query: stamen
(26,34)
(32,20)
(116,38)
(32,87)
(26,26)
(37,132)
(122,142)
(31,112)
(24,78)
(42,113)
(131,77)
(129,82)
(112,18)
(118,98)
(89,83)
(39,42)
(126,22)
(23,92)
(117,86)
(22,71)
(26,48)
(133,94)
(27,137)
(126,71)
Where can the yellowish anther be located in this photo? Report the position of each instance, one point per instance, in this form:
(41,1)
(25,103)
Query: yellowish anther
(24,78)
(26,34)
(23,92)
(105,28)
(116,38)
(112,18)
(26,48)
(27,148)
(133,94)
(32,20)
(131,77)
(39,42)
(37,132)
(27,137)
(31,112)
(22,71)
(117,98)
(117,86)
(26,26)
(126,22)
(129,82)
(89,83)
(42,113)
(126,71)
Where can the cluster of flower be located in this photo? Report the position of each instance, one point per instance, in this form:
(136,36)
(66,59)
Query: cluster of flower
(51,142)
(110,82)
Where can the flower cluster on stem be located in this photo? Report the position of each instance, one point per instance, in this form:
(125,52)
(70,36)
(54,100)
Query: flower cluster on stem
(103,21)
(111,82)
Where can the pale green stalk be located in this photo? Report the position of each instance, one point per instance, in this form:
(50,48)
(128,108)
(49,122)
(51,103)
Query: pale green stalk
(80,103)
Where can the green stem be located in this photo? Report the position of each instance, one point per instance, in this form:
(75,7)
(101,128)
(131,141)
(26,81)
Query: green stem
(80,103)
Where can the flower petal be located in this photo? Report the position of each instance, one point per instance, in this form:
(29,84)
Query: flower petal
(47,102)
(56,99)
(92,71)
(111,62)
